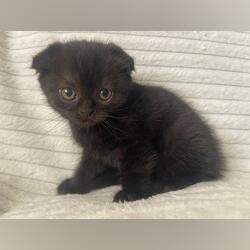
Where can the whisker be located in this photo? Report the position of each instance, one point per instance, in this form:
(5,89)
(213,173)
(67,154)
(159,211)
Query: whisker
(108,129)
(115,128)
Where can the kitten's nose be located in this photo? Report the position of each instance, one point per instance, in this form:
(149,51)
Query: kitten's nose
(87,113)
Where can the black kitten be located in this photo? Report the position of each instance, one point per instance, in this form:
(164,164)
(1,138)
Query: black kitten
(145,138)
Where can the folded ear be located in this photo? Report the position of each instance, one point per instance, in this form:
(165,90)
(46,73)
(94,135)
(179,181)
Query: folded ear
(125,61)
(44,60)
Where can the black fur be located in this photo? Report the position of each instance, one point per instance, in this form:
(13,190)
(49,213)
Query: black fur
(146,138)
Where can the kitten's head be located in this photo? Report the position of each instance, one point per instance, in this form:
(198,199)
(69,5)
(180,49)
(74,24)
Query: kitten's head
(85,81)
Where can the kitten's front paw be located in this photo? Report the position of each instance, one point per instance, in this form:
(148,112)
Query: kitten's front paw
(65,187)
(69,186)
(123,196)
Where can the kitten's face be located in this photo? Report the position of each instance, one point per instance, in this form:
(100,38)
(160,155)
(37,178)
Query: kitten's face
(85,81)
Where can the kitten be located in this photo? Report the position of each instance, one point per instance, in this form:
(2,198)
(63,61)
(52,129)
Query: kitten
(145,138)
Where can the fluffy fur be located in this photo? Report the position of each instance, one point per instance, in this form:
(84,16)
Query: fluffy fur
(145,138)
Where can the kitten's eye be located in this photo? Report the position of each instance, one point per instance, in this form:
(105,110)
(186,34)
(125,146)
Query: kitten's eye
(105,94)
(68,94)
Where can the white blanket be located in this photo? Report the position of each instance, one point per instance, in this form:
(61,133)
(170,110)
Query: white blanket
(210,70)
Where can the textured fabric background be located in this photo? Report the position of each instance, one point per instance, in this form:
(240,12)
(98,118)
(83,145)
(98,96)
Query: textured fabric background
(210,70)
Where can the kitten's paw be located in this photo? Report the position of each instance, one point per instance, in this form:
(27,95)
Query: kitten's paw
(123,196)
(68,186)
(65,187)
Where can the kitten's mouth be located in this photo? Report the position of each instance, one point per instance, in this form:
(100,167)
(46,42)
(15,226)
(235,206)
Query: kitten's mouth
(87,122)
